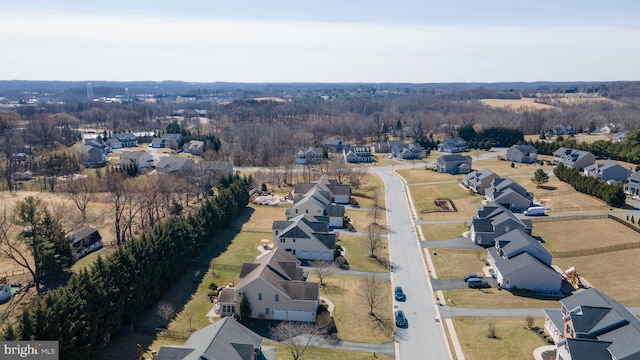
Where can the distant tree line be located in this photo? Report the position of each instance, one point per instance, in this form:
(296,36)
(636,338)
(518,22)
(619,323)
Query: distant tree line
(613,195)
(492,136)
(117,289)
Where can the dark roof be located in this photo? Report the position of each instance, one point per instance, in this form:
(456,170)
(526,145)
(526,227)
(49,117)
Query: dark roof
(588,349)
(171,164)
(454,157)
(518,262)
(84,233)
(482,225)
(525,148)
(225,339)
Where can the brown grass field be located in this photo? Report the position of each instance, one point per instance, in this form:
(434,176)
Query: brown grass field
(424,195)
(351,313)
(572,235)
(455,263)
(503,168)
(443,231)
(614,273)
(420,175)
(516,104)
(358,251)
(513,340)
(560,197)
(494,298)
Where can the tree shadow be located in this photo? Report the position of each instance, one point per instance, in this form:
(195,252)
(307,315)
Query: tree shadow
(549,188)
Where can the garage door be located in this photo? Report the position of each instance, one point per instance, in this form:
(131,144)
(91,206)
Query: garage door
(279,314)
(293,315)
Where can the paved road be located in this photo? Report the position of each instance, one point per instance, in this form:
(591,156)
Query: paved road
(423,335)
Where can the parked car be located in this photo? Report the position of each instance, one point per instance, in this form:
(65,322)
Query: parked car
(477,283)
(400,296)
(534,211)
(472,276)
(401,321)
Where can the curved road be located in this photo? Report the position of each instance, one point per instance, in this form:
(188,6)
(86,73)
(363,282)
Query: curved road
(423,335)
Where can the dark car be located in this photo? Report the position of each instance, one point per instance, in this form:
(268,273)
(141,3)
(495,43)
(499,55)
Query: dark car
(472,276)
(400,296)
(401,321)
(477,283)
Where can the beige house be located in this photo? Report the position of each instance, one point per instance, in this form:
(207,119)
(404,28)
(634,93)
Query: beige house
(276,288)
(317,202)
(305,238)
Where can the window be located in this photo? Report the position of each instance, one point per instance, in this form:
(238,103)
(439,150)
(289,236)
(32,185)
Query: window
(277,297)
(294,240)
(266,311)
(276,232)
(259,296)
(307,211)
(506,228)
(239,294)
(296,211)
(283,240)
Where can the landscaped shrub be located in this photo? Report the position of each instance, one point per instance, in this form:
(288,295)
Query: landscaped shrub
(550,341)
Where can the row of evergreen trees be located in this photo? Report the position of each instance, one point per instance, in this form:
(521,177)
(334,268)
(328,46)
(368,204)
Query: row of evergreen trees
(493,136)
(626,150)
(117,289)
(613,195)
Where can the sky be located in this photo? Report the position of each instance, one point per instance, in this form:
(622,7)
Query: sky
(320,41)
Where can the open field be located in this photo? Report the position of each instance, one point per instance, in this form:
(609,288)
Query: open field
(455,263)
(358,251)
(516,104)
(494,298)
(329,354)
(443,231)
(421,175)
(614,273)
(351,313)
(513,340)
(503,168)
(424,195)
(263,216)
(574,235)
(370,184)
(560,197)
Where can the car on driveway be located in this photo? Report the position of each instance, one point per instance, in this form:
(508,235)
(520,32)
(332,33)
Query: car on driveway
(399,294)
(401,321)
(477,283)
(471,276)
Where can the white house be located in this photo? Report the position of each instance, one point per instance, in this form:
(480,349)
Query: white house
(305,238)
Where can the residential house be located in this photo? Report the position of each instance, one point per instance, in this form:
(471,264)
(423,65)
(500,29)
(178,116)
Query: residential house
(453,145)
(194,147)
(632,186)
(591,325)
(493,220)
(170,141)
(563,130)
(170,164)
(510,194)
(336,145)
(619,137)
(339,193)
(608,170)
(521,262)
(85,241)
(572,158)
(276,289)
(526,154)
(141,159)
(382,147)
(93,153)
(225,339)
(358,154)
(479,180)
(305,238)
(454,164)
(609,128)
(309,156)
(215,170)
(122,140)
(317,202)
(396,147)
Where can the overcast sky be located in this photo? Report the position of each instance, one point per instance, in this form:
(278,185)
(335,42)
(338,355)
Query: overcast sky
(320,41)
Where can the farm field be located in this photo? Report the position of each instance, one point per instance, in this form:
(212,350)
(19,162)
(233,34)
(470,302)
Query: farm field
(516,104)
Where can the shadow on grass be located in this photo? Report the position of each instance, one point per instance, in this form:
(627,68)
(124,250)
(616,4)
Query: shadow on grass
(533,295)
(123,346)
(383,324)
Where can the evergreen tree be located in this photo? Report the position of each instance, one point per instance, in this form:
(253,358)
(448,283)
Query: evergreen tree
(245,308)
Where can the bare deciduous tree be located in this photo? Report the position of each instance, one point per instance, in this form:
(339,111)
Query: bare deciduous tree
(356,177)
(81,191)
(297,336)
(375,211)
(374,234)
(339,170)
(165,311)
(322,269)
(373,293)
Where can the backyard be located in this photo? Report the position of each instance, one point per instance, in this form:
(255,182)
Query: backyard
(424,195)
